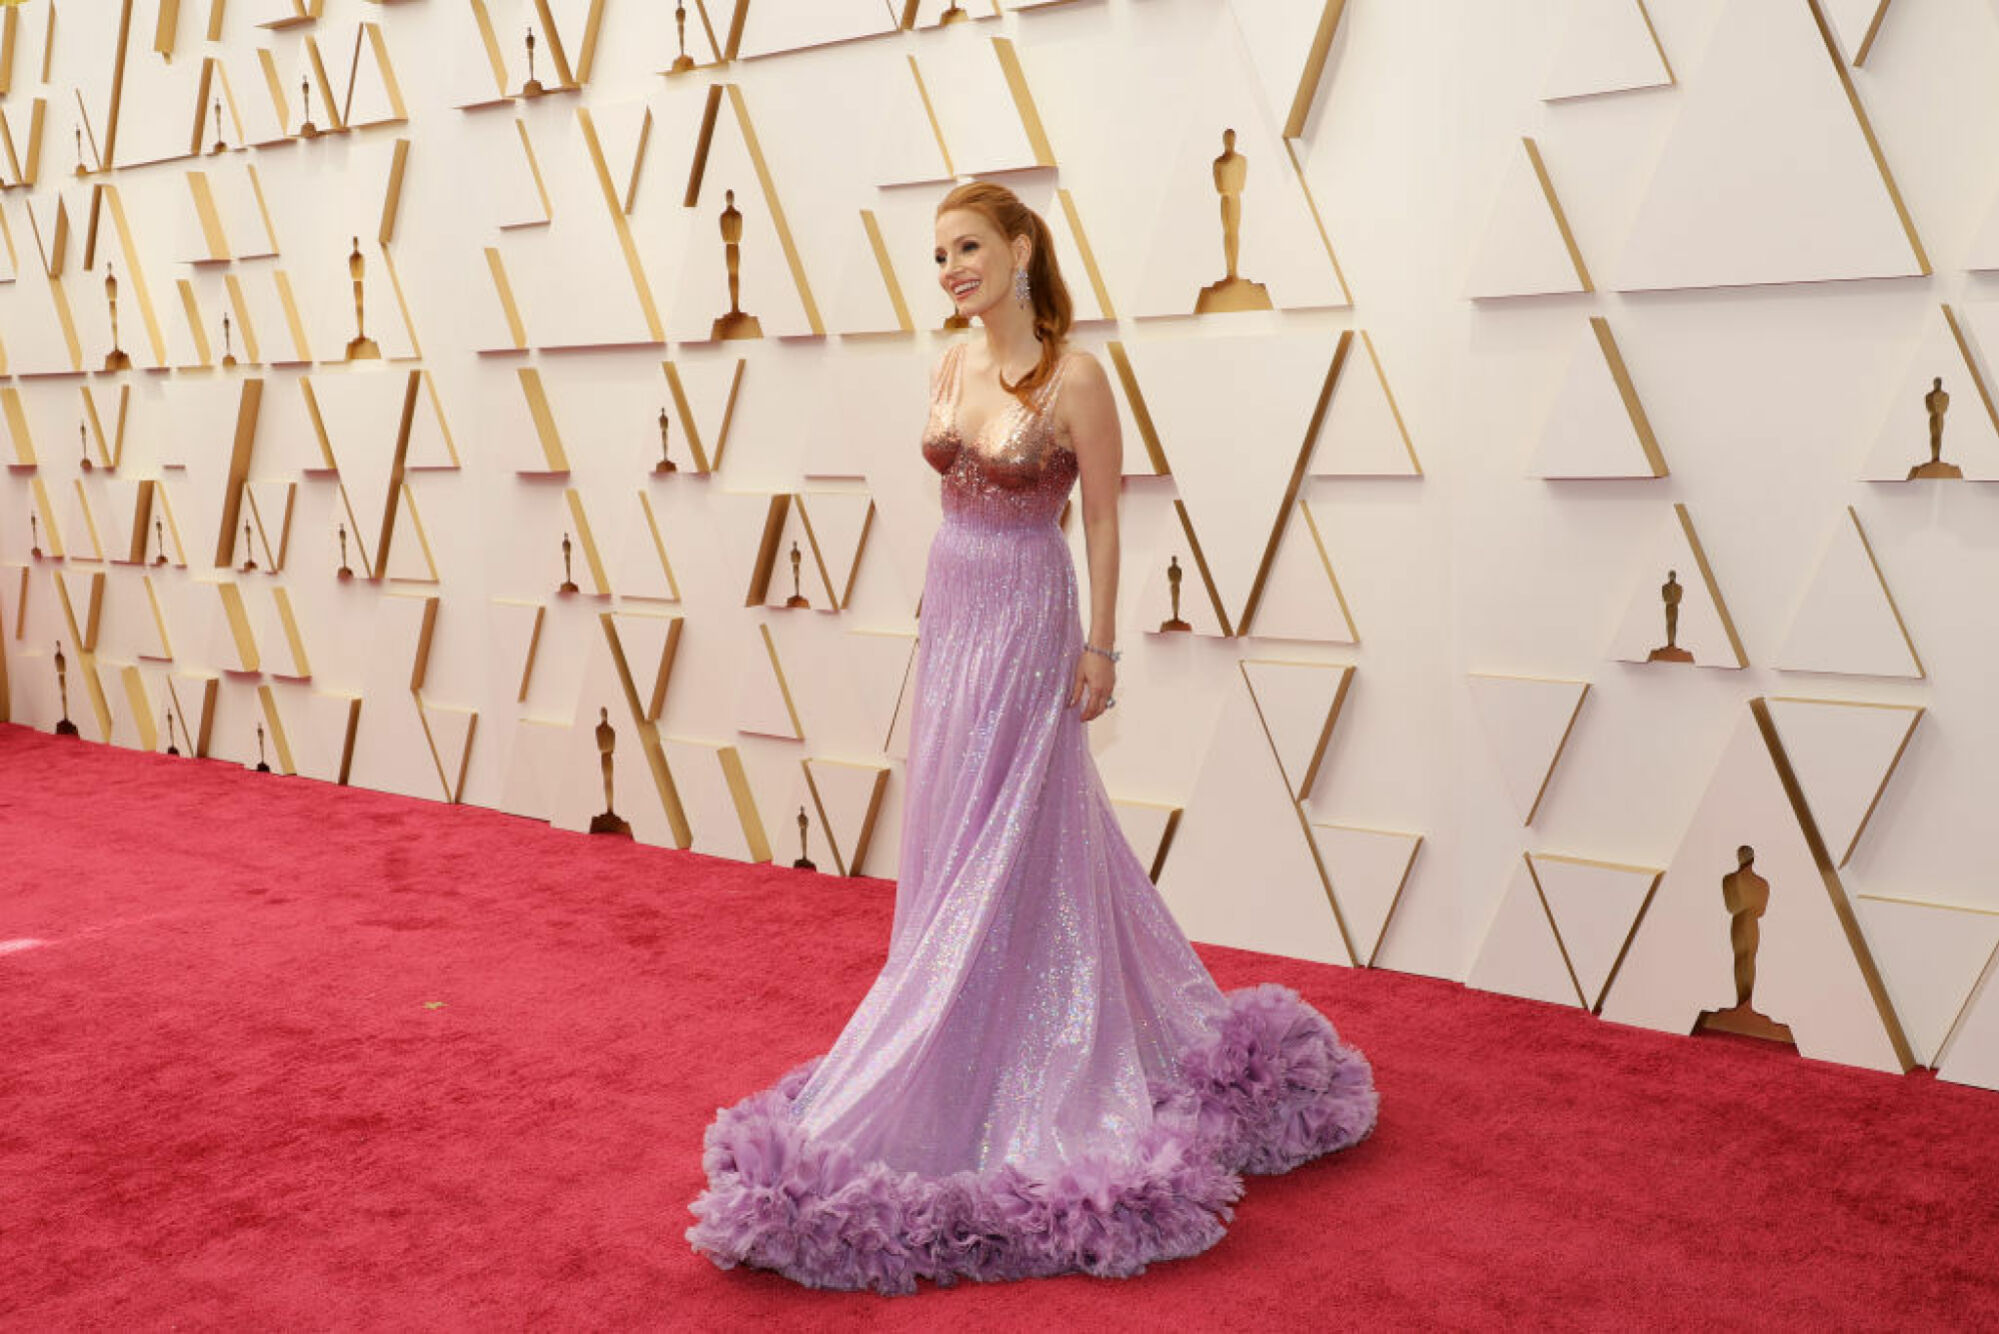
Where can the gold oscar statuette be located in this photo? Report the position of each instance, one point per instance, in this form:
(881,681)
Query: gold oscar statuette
(64,727)
(568,576)
(1670,593)
(797,598)
(804,862)
(665,464)
(249,549)
(228,342)
(81,170)
(218,146)
(610,822)
(115,359)
(344,572)
(172,749)
(682,62)
(307,130)
(1936,403)
(83,446)
(160,536)
(1174,574)
(34,537)
(263,765)
(954,14)
(1233,291)
(360,347)
(1746,895)
(735,324)
(532,88)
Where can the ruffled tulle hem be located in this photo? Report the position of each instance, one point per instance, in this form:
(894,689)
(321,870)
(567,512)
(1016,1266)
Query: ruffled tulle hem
(1273,1088)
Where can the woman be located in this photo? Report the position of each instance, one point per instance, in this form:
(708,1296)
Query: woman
(1044,1078)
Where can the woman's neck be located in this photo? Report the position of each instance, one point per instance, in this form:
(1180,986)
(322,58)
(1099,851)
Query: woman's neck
(1010,341)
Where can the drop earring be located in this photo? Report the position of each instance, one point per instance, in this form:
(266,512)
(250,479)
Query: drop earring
(1023,292)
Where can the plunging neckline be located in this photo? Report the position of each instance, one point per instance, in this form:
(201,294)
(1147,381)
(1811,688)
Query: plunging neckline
(977,438)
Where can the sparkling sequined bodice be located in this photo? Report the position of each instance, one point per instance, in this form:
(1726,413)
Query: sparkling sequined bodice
(1014,470)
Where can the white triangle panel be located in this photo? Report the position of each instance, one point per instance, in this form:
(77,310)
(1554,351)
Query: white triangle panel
(1368,868)
(1606,46)
(1241,872)
(1298,704)
(1843,754)
(1847,622)
(1522,252)
(1971,1053)
(1931,957)
(1594,905)
(1591,431)
(1520,955)
(1681,961)
(1301,597)
(1528,721)
(1363,434)
(1970,438)
(1754,188)
(1703,628)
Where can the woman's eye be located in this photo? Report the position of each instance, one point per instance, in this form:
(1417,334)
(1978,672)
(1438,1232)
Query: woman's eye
(940,257)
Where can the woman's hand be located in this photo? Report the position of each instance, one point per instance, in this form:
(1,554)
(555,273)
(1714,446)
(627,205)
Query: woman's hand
(1096,677)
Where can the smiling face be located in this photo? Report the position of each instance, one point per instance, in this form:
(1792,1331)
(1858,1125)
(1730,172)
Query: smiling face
(975,262)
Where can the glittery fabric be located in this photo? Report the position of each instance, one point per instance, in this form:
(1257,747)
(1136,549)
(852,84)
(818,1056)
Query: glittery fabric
(1043,1077)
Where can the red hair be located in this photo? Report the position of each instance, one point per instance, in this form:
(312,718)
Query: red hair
(1054,311)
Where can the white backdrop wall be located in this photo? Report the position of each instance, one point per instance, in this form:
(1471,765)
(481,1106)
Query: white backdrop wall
(1566,293)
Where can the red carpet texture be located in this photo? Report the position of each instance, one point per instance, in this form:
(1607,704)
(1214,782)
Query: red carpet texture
(275,1054)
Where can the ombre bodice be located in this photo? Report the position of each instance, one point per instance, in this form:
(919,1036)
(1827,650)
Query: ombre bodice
(1015,470)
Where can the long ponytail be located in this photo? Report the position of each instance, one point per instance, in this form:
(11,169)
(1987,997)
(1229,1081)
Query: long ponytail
(1054,310)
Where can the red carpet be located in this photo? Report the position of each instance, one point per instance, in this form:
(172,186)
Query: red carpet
(293,1056)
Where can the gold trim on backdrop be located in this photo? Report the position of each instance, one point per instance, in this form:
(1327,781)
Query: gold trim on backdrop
(1915,712)
(1023,103)
(1868,548)
(10,23)
(197,324)
(552,451)
(1304,789)
(398,463)
(135,698)
(783,685)
(238,618)
(294,322)
(930,112)
(1141,415)
(1657,45)
(392,195)
(1292,487)
(1541,897)
(649,742)
(108,155)
(276,726)
(1867,131)
(1561,218)
(248,404)
(880,247)
(494,60)
(1315,68)
(503,288)
(1759,708)
(614,205)
(1088,253)
(1971,364)
(1866,47)
(1713,586)
(1614,358)
(586,538)
(1332,575)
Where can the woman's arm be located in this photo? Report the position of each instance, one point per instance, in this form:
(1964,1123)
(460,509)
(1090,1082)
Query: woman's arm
(1089,413)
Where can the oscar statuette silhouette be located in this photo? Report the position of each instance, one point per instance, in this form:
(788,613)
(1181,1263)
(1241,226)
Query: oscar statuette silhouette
(804,862)
(1232,291)
(1670,593)
(610,822)
(1935,403)
(64,727)
(1746,896)
(1174,574)
(797,598)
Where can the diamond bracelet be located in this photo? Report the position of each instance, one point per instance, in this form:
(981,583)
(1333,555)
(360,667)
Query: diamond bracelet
(1111,653)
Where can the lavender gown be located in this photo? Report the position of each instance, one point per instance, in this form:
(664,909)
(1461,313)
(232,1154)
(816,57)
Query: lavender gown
(1043,1078)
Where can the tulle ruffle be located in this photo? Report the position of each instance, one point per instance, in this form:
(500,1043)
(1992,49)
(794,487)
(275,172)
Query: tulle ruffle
(1273,1088)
